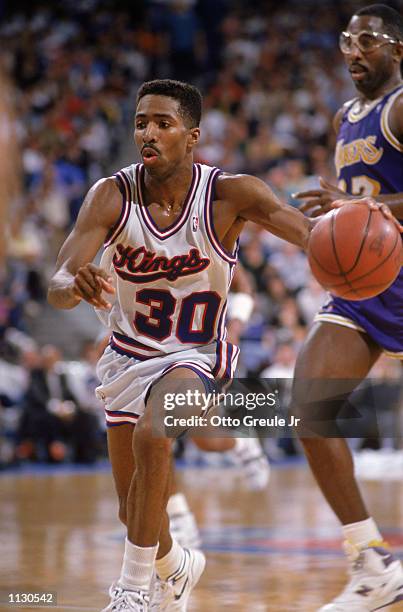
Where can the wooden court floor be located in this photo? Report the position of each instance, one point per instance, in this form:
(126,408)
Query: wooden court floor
(274,551)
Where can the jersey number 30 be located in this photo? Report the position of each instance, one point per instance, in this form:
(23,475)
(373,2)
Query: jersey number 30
(162,304)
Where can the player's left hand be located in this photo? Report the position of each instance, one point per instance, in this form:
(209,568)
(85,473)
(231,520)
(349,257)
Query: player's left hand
(319,201)
(373,205)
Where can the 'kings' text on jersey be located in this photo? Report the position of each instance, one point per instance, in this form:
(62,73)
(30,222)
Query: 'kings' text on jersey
(171,284)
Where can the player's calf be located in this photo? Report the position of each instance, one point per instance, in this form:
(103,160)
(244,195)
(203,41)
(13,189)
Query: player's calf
(148,495)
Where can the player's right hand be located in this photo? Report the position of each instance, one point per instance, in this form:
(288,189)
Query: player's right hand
(89,282)
(319,201)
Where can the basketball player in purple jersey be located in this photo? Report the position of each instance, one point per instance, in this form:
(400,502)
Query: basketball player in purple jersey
(169,229)
(348,337)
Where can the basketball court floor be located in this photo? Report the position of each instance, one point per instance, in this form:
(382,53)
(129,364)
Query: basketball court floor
(276,551)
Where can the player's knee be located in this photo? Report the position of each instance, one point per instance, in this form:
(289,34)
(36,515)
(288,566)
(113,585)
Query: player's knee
(298,402)
(148,441)
(143,433)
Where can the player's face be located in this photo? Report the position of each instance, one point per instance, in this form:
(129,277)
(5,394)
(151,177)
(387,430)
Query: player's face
(161,135)
(370,56)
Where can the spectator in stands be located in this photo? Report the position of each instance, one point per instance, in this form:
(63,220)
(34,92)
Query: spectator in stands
(54,426)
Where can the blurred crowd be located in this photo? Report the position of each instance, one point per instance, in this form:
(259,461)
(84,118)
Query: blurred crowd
(49,412)
(272,79)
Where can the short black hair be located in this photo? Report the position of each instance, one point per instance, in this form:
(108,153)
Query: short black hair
(392,20)
(188,96)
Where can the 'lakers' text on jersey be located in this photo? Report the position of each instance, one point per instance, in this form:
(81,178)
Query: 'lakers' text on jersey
(172,283)
(369,161)
(368,156)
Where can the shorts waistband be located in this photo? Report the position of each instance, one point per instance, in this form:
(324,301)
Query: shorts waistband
(125,345)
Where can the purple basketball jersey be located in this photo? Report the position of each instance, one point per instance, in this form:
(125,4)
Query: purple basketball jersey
(369,161)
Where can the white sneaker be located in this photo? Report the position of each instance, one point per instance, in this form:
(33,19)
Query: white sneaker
(172,595)
(184,530)
(249,455)
(376,581)
(132,601)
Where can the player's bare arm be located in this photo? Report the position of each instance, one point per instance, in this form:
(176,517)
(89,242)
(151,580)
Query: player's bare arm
(76,278)
(395,200)
(247,198)
(241,282)
(396,119)
(318,201)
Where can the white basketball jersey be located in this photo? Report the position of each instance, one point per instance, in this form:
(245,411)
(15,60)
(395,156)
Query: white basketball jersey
(171,284)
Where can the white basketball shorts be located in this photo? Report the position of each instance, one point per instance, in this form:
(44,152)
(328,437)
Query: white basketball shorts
(126,381)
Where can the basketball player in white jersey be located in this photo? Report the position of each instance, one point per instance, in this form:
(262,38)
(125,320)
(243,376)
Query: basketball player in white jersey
(246,453)
(169,228)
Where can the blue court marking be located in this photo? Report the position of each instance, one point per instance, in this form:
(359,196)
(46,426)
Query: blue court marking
(308,552)
(46,469)
(251,550)
(266,541)
(294,461)
(286,541)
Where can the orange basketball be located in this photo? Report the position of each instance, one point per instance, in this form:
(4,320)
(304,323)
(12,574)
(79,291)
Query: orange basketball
(355,252)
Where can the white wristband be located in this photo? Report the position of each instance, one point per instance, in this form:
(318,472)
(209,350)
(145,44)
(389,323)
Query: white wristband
(240,306)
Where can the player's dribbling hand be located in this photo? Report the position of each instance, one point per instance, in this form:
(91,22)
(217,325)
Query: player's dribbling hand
(319,201)
(89,282)
(373,205)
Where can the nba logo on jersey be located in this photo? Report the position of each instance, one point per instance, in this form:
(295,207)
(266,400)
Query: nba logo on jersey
(195,223)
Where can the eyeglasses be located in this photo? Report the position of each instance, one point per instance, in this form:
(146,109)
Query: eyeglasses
(365,41)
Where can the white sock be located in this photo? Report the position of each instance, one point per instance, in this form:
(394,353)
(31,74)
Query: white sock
(362,533)
(239,445)
(247,446)
(168,565)
(177,504)
(137,567)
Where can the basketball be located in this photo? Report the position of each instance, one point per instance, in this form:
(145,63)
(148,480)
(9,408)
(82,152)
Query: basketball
(355,252)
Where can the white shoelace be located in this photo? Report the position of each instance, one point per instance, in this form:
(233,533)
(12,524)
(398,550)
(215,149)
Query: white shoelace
(162,596)
(126,600)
